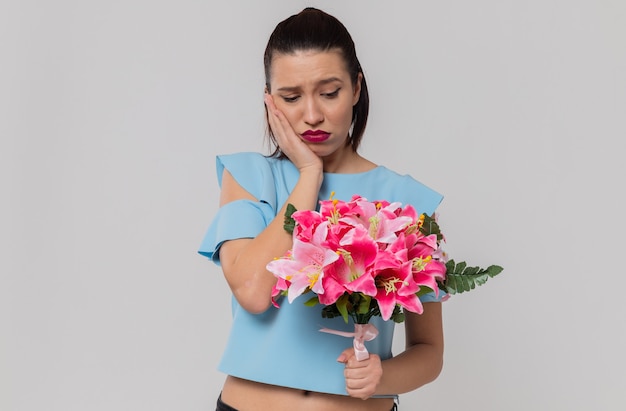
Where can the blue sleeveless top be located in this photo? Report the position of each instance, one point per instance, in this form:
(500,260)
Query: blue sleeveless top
(283,346)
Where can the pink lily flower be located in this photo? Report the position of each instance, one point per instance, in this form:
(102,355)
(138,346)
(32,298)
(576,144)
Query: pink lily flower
(304,268)
(395,285)
(409,211)
(427,271)
(306,223)
(333,209)
(379,218)
(351,272)
(279,287)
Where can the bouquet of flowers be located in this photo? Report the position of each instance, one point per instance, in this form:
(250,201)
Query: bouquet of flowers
(365,258)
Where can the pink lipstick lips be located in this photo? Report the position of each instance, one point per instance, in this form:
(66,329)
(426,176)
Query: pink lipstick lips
(315,136)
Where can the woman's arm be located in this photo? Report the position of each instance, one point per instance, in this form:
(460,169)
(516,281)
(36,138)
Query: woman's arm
(243,261)
(422,360)
(419,364)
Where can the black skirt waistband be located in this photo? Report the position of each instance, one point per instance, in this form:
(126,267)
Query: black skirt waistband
(222,406)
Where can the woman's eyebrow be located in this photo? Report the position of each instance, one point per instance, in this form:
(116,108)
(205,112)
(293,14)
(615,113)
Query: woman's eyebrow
(322,82)
(289,89)
(329,80)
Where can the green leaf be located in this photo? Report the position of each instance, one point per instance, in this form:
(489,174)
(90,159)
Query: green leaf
(460,278)
(494,270)
(450,266)
(342,306)
(423,290)
(471,270)
(330,311)
(289,222)
(431,226)
(312,302)
(460,267)
(398,314)
(364,304)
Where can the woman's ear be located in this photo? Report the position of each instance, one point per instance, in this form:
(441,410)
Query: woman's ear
(357,89)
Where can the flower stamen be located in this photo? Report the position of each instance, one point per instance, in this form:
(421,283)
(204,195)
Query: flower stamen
(389,284)
(419,263)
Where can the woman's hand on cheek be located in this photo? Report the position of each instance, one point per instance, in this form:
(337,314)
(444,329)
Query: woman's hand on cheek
(288,140)
(362,377)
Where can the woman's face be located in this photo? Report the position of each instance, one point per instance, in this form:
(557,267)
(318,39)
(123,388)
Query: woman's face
(314,91)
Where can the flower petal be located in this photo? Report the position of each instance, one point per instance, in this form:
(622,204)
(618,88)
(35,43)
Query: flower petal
(386,303)
(411,302)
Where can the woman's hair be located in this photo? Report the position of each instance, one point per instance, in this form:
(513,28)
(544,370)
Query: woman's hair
(313,29)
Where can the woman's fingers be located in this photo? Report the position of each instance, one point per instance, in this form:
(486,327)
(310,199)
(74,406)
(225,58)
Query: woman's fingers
(285,136)
(362,377)
(277,128)
(288,140)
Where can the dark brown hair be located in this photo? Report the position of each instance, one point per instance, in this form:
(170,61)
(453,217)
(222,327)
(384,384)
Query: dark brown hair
(313,29)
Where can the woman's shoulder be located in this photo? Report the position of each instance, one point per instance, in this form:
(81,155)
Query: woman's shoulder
(250,159)
(241,158)
(411,190)
(259,174)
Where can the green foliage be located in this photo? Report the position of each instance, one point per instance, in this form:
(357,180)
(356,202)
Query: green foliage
(364,305)
(312,302)
(430,226)
(289,224)
(342,306)
(460,278)
(360,307)
(424,290)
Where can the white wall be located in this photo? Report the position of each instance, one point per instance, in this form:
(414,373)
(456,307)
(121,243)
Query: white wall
(112,113)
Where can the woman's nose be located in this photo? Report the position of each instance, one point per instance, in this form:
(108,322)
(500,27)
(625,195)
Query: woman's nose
(312,113)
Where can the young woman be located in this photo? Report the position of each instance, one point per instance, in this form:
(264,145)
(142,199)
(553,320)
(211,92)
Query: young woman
(276,359)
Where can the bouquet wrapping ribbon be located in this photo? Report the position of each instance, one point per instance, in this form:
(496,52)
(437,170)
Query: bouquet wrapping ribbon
(362,333)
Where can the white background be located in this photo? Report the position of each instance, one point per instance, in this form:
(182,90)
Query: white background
(112,113)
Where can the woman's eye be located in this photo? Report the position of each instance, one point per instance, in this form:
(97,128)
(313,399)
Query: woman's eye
(290,99)
(332,94)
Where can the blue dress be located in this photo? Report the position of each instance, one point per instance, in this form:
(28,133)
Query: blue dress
(284,346)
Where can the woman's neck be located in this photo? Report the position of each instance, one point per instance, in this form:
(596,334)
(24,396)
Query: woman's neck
(346,162)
